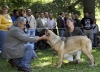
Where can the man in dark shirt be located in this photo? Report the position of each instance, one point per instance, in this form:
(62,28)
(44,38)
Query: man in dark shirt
(86,23)
(72,31)
(61,24)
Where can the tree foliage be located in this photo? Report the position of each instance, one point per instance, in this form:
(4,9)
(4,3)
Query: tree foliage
(56,6)
(15,4)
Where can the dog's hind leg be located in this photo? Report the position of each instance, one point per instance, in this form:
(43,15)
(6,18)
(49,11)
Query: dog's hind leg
(89,55)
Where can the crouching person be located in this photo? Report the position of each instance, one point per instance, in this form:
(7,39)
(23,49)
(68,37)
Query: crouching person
(16,49)
(73,31)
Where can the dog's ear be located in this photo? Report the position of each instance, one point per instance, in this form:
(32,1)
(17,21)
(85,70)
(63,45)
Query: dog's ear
(46,32)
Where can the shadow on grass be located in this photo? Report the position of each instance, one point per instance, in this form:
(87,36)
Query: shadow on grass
(44,63)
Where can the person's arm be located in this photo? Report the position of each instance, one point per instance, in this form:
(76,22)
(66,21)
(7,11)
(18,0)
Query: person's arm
(58,22)
(25,37)
(42,38)
(82,22)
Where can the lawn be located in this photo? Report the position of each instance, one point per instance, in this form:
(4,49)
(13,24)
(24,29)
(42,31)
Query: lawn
(43,63)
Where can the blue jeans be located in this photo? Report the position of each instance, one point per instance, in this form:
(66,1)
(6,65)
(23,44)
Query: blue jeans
(31,32)
(29,54)
(61,32)
(2,38)
(95,39)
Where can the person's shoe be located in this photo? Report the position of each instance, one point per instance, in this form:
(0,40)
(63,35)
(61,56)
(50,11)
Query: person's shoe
(77,61)
(12,63)
(24,69)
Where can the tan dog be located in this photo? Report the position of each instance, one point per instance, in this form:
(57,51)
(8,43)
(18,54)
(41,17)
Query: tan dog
(72,44)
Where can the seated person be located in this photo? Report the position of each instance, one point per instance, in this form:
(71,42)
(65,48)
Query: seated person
(16,48)
(72,31)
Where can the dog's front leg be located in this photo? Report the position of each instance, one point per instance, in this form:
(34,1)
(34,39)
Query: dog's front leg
(60,54)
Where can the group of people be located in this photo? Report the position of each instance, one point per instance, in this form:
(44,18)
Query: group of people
(20,32)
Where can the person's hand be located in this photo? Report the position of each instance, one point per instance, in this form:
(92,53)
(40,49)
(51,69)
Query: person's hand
(44,37)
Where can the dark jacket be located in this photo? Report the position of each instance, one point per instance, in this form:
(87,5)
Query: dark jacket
(60,23)
(77,32)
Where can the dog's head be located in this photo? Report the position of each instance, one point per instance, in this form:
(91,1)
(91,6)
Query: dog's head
(49,34)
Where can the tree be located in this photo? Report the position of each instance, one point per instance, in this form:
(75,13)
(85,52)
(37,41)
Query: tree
(89,6)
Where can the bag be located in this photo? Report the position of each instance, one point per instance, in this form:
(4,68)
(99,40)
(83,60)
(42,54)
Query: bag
(27,25)
(28,22)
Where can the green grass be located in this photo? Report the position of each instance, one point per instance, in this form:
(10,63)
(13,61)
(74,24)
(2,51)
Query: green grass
(43,63)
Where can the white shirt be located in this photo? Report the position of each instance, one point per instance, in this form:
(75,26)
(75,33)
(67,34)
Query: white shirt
(32,21)
(43,21)
(51,23)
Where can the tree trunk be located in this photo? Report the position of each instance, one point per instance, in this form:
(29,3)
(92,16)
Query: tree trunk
(89,6)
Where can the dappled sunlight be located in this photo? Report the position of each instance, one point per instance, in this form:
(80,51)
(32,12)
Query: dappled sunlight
(41,64)
(45,58)
(94,50)
(82,59)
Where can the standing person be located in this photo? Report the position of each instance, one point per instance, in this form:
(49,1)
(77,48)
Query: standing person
(78,20)
(72,31)
(15,47)
(22,12)
(31,22)
(37,14)
(5,24)
(65,18)
(95,33)
(86,23)
(52,23)
(75,20)
(61,24)
(15,15)
(42,24)
(46,14)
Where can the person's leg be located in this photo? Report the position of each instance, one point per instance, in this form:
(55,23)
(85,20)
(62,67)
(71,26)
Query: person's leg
(33,34)
(36,44)
(85,32)
(2,39)
(96,43)
(29,33)
(68,57)
(55,31)
(26,59)
(61,32)
(95,40)
(78,54)
(90,33)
